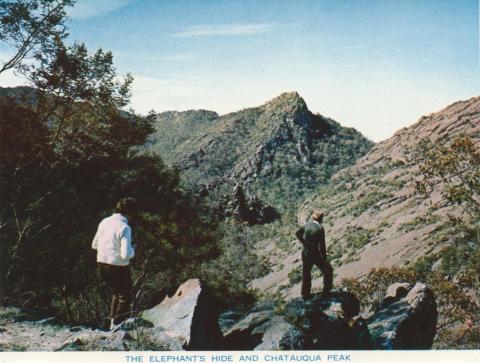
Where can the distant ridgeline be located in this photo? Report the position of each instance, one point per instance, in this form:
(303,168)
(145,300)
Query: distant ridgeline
(278,152)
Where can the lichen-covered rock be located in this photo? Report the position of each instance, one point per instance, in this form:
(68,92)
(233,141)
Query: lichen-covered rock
(134,324)
(263,330)
(228,318)
(318,323)
(409,323)
(325,322)
(188,315)
(244,334)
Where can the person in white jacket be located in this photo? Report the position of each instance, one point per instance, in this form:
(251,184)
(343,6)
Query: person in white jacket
(113,242)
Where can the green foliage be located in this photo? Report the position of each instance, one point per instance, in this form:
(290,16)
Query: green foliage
(371,289)
(26,26)
(357,237)
(419,221)
(423,266)
(230,273)
(458,313)
(67,155)
(335,252)
(455,165)
(367,202)
(295,276)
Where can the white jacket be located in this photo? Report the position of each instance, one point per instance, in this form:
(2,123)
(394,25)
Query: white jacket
(113,241)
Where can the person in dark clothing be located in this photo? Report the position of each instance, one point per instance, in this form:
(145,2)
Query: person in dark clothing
(312,237)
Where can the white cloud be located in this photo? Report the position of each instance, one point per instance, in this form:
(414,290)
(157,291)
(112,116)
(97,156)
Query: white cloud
(11,79)
(164,94)
(86,9)
(223,30)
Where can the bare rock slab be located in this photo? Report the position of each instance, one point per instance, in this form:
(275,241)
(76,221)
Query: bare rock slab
(189,316)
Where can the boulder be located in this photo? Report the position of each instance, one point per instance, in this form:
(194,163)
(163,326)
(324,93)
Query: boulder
(263,330)
(395,292)
(189,316)
(326,323)
(318,323)
(406,320)
(249,208)
(188,320)
(409,323)
(228,318)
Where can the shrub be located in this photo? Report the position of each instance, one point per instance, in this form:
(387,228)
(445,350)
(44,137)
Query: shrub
(295,276)
(458,314)
(366,202)
(357,237)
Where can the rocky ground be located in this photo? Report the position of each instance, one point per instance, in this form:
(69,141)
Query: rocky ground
(187,320)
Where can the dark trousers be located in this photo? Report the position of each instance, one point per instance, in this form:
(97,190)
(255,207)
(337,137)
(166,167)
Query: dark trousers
(119,280)
(310,258)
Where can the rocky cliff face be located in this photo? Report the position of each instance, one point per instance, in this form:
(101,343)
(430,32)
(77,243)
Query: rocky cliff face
(275,151)
(375,218)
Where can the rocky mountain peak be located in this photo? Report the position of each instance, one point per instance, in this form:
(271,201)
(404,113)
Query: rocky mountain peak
(277,146)
(287,102)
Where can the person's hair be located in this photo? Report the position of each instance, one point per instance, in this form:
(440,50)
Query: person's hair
(125,206)
(317,215)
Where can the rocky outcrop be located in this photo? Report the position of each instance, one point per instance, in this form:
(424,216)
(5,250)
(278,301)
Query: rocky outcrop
(189,321)
(188,316)
(405,322)
(249,208)
(318,323)
(21,331)
(409,322)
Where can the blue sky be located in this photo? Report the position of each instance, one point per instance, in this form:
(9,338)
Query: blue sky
(373,65)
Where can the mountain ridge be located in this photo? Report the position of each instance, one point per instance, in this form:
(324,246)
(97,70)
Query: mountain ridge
(375,217)
(257,146)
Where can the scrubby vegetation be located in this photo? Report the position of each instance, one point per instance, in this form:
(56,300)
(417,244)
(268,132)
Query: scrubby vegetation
(68,152)
(419,221)
(453,273)
(279,152)
(366,202)
(458,321)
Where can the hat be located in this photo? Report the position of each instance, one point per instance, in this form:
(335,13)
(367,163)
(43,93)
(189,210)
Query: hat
(318,214)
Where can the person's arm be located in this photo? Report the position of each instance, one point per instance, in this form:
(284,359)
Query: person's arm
(300,235)
(95,239)
(126,249)
(323,247)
